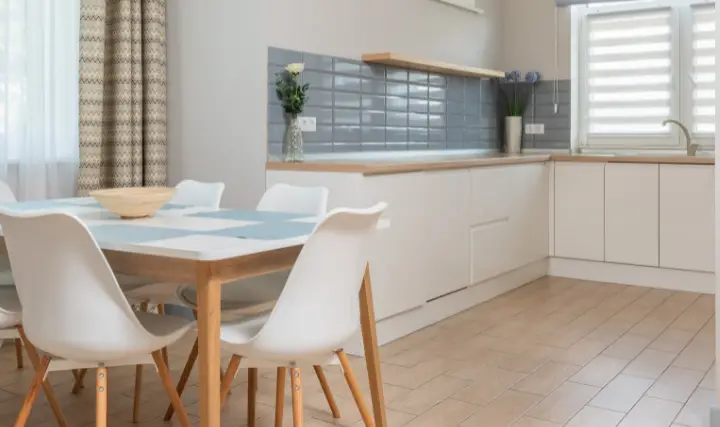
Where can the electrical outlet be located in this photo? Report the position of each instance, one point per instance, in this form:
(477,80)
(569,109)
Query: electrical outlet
(535,129)
(308,124)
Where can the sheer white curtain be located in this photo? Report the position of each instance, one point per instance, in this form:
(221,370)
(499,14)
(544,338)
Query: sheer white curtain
(39,149)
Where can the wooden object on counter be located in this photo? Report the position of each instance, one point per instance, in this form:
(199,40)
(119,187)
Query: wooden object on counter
(387,168)
(370,168)
(403,61)
(648,158)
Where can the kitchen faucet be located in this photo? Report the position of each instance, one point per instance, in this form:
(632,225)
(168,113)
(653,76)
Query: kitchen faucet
(691,147)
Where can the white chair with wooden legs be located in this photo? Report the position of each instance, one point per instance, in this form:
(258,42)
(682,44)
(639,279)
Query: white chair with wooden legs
(7,290)
(74,310)
(315,316)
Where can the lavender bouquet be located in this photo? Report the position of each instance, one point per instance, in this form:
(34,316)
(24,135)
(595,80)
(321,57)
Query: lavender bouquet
(516,92)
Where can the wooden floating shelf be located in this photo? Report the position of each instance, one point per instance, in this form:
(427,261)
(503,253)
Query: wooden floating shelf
(402,61)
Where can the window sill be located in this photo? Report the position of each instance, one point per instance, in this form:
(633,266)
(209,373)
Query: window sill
(462,6)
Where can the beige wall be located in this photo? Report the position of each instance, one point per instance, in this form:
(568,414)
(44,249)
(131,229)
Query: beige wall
(528,33)
(217,68)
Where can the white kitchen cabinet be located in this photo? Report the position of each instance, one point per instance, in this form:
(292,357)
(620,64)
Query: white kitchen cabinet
(529,213)
(398,251)
(446,198)
(579,210)
(687,217)
(490,198)
(632,214)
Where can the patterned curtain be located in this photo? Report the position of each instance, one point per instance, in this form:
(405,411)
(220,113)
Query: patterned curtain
(123,136)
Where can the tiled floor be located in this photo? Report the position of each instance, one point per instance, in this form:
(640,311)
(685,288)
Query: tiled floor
(555,352)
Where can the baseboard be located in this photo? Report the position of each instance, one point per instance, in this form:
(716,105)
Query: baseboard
(664,278)
(406,323)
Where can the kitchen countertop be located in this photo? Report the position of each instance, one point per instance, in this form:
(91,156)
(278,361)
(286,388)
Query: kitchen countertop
(447,161)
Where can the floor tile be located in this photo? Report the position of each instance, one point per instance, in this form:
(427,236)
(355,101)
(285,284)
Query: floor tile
(696,412)
(560,406)
(649,364)
(708,381)
(628,346)
(672,340)
(448,413)
(600,371)
(533,422)
(676,384)
(429,394)
(504,410)
(622,393)
(595,417)
(651,412)
(546,379)
(492,383)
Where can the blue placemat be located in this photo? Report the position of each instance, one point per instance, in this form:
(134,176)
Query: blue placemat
(257,216)
(276,230)
(136,234)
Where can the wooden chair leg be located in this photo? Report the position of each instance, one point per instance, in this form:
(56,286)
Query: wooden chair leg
(161,311)
(297,401)
(101,397)
(79,380)
(137,393)
(47,388)
(32,393)
(183,378)
(326,389)
(19,353)
(355,389)
(228,378)
(252,395)
(170,388)
(280,396)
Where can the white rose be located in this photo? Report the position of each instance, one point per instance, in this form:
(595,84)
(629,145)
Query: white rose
(295,68)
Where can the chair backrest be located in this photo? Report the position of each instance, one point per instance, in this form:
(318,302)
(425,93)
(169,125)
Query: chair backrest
(290,198)
(71,302)
(318,311)
(6,194)
(195,193)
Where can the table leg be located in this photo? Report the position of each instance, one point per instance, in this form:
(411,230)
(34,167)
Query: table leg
(208,320)
(372,355)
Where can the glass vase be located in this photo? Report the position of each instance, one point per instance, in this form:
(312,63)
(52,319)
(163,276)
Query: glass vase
(293,139)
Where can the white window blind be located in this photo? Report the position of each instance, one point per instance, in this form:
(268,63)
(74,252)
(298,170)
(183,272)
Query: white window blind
(628,73)
(703,69)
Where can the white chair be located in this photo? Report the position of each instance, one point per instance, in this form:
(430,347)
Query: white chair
(74,310)
(8,295)
(195,193)
(315,316)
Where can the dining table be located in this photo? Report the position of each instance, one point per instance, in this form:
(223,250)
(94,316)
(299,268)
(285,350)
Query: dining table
(208,248)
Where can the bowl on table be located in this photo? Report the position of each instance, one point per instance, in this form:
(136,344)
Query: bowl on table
(133,202)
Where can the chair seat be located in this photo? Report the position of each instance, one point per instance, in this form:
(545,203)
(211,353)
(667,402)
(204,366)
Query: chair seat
(241,331)
(11,310)
(128,283)
(164,326)
(244,294)
(155,292)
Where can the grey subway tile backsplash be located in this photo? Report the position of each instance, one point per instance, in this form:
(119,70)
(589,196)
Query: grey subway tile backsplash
(394,118)
(318,62)
(318,80)
(347,66)
(396,74)
(347,100)
(362,107)
(347,83)
(346,117)
(318,98)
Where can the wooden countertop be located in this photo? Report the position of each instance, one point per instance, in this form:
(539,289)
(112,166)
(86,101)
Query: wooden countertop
(371,167)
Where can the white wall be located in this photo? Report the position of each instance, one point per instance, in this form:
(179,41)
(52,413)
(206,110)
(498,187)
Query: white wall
(217,68)
(528,33)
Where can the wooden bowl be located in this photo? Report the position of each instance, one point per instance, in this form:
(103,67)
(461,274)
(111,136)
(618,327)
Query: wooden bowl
(133,202)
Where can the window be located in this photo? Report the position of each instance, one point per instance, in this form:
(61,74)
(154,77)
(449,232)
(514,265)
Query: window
(640,63)
(39,144)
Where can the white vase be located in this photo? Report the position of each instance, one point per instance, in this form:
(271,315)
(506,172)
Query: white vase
(293,140)
(513,134)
